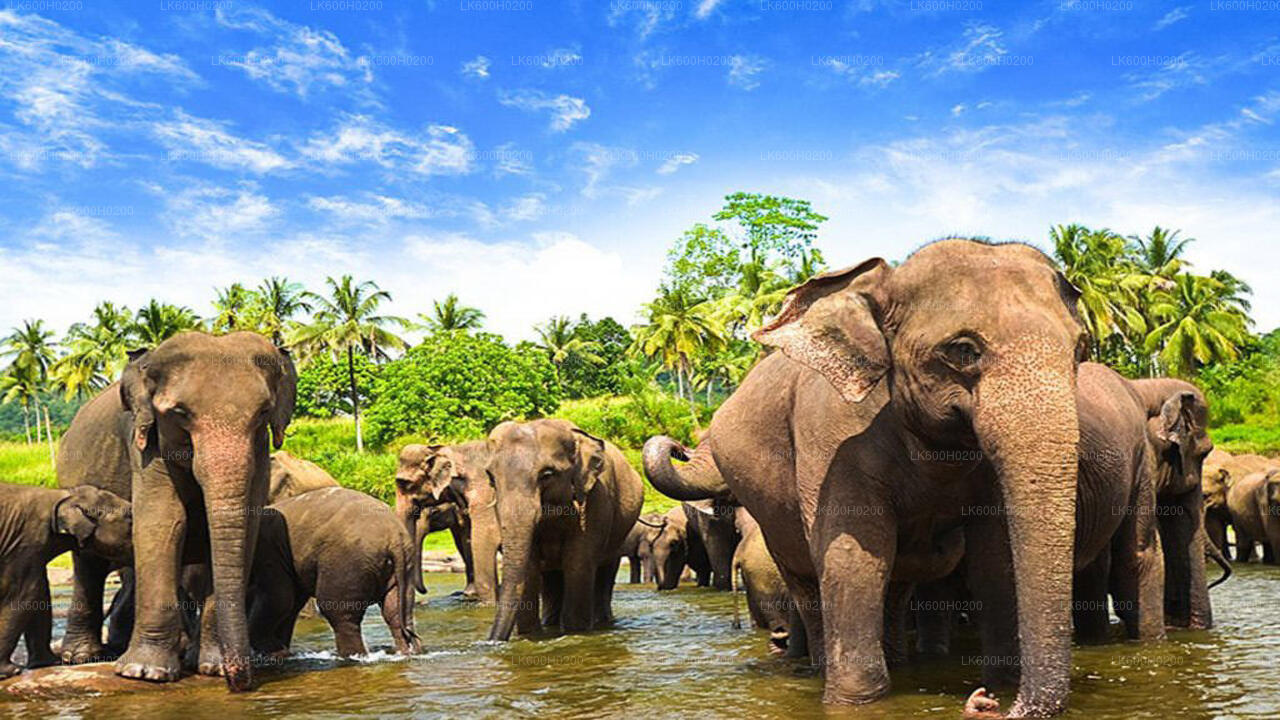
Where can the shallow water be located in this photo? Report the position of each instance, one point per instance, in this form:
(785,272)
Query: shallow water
(676,655)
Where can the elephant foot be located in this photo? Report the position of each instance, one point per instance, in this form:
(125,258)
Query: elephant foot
(210,662)
(8,670)
(469,592)
(81,650)
(153,663)
(46,659)
(981,705)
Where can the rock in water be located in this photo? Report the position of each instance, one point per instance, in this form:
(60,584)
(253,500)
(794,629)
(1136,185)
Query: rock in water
(90,679)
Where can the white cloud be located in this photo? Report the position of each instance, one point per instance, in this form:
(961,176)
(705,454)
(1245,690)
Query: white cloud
(1171,17)
(673,163)
(525,208)
(299,59)
(743,70)
(374,209)
(1169,73)
(438,150)
(597,161)
(477,68)
(511,160)
(867,71)
(561,57)
(195,139)
(705,8)
(980,48)
(215,213)
(565,110)
(958,110)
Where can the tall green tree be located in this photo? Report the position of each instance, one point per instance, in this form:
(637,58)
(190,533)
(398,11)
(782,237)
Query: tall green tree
(1198,325)
(451,314)
(1095,262)
(347,322)
(680,328)
(31,350)
(557,338)
(278,303)
(1159,254)
(96,350)
(157,322)
(233,308)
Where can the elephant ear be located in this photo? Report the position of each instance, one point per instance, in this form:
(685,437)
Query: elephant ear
(1176,425)
(70,517)
(135,395)
(286,395)
(829,324)
(591,458)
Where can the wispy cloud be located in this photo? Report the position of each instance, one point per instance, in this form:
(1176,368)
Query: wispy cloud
(705,8)
(298,60)
(867,71)
(193,139)
(1175,15)
(673,163)
(215,213)
(980,47)
(371,208)
(477,68)
(743,70)
(436,150)
(565,110)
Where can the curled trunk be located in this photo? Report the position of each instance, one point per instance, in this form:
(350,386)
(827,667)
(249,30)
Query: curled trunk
(699,479)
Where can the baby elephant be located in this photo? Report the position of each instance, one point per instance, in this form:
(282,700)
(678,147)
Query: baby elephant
(36,525)
(345,549)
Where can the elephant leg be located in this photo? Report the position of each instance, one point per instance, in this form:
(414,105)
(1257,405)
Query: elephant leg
(578,606)
(1089,601)
(485,538)
(1137,575)
(989,563)
(462,540)
(159,532)
(805,618)
(552,593)
(720,547)
(344,617)
(82,641)
(39,634)
(633,564)
(1182,538)
(120,614)
(399,622)
(13,624)
(896,608)
(1271,525)
(270,609)
(603,600)
(527,619)
(934,603)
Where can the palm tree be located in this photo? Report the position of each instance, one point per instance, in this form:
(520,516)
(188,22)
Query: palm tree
(31,348)
(95,352)
(1160,253)
(1199,323)
(18,384)
(1094,261)
(157,322)
(278,301)
(233,305)
(1233,290)
(680,328)
(559,339)
(451,315)
(347,322)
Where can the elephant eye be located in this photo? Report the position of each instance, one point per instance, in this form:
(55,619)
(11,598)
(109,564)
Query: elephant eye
(962,354)
(180,411)
(546,473)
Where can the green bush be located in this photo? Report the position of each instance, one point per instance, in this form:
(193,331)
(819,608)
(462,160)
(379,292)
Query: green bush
(629,421)
(324,386)
(455,386)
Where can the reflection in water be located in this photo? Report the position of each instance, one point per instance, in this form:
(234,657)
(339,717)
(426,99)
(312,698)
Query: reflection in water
(675,654)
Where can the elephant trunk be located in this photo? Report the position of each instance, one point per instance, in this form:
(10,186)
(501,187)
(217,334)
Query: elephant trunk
(226,468)
(698,480)
(1027,425)
(409,514)
(519,520)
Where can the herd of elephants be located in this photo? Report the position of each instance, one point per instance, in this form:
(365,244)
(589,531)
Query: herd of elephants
(921,438)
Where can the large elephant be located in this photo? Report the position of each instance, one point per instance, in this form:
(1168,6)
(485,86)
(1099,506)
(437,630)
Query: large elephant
(345,549)
(1177,428)
(712,534)
(449,483)
(1254,504)
(186,435)
(566,501)
(292,476)
(36,525)
(637,548)
(904,402)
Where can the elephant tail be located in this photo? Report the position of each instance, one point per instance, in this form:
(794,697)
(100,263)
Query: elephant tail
(1215,554)
(733,590)
(698,479)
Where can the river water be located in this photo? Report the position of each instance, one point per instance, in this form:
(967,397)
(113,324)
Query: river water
(675,654)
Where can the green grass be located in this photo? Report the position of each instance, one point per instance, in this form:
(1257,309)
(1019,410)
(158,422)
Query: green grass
(1258,436)
(24,464)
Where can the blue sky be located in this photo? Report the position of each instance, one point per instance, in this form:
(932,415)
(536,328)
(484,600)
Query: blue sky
(539,158)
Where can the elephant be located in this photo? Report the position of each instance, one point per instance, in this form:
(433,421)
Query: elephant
(768,601)
(1177,428)
(1221,469)
(905,403)
(36,525)
(344,548)
(566,500)
(449,483)
(667,550)
(637,548)
(712,534)
(185,435)
(291,476)
(1254,503)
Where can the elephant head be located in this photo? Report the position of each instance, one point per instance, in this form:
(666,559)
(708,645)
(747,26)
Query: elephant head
(1181,439)
(431,477)
(979,345)
(1216,483)
(666,547)
(210,408)
(100,521)
(542,472)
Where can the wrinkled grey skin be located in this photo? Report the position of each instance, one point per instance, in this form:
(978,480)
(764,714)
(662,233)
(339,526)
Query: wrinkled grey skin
(185,435)
(345,549)
(637,548)
(292,476)
(566,501)
(1177,428)
(903,398)
(713,537)
(36,525)
(448,484)
(1254,504)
